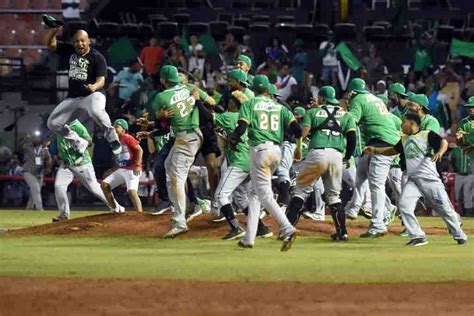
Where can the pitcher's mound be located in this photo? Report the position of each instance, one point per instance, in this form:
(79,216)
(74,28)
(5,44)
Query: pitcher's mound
(131,223)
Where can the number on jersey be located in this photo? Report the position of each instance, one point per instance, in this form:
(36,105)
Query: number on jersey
(269,122)
(186,106)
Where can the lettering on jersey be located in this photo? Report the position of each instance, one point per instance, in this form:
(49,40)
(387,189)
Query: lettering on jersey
(180,95)
(322,113)
(78,67)
(267,106)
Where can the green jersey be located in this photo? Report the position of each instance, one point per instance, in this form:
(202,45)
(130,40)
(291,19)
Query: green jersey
(430,123)
(266,120)
(400,113)
(250,79)
(467,125)
(179,99)
(238,156)
(248,93)
(460,161)
(322,137)
(67,153)
(160,141)
(360,143)
(370,112)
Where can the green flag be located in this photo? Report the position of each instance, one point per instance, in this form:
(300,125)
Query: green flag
(209,45)
(121,51)
(346,54)
(461,48)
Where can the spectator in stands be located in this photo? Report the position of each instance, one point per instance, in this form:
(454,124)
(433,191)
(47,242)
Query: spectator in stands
(14,191)
(329,61)
(277,50)
(269,68)
(128,81)
(374,65)
(151,57)
(245,48)
(300,62)
(37,163)
(381,88)
(411,83)
(463,182)
(230,49)
(286,83)
(177,58)
(196,58)
(453,90)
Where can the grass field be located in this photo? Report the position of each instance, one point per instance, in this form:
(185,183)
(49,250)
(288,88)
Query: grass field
(312,260)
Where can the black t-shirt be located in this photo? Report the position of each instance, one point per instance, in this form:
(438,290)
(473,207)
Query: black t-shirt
(83,70)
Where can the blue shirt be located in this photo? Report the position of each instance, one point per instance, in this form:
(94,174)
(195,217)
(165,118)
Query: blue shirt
(129,83)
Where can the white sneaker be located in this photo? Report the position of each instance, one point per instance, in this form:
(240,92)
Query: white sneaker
(313,216)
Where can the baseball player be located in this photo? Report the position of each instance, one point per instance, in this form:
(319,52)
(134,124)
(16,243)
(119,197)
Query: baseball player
(244,63)
(463,182)
(176,105)
(236,175)
(265,120)
(238,81)
(419,104)
(332,132)
(372,115)
(79,166)
(398,99)
(87,73)
(129,167)
(416,146)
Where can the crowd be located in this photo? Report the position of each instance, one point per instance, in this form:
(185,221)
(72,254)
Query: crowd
(172,109)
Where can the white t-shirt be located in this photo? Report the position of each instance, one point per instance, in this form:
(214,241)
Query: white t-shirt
(286,91)
(330,59)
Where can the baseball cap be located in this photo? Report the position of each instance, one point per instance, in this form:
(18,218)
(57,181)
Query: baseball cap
(122,123)
(397,88)
(470,102)
(238,75)
(299,111)
(246,59)
(170,73)
(260,82)
(421,99)
(357,85)
(329,95)
(272,89)
(382,82)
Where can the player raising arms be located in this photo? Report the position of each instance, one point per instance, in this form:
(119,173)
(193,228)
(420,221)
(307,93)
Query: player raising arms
(87,72)
(265,120)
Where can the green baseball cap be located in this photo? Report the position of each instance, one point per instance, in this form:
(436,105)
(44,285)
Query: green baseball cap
(357,85)
(272,89)
(383,97)
(470,102)
(260,82)
(170,73)
(239,75)
(421,99)
(397,88)
(299,111)
(409,94)
(122,123)
(329,95)
(246,59)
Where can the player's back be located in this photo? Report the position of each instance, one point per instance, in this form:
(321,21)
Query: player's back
(266,119)
(179,99)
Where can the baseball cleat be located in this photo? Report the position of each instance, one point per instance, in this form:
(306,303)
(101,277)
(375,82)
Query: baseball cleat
(351,217)
(196,212)
(339,237)
(313,216)
(219,218)
(264,232)
(163,207)
(175,231)
(234,233)
(369,234)
(365,212)
(245,246)
(59,219)
(416,242)
(288,241)
(404,233)
(119,209)
(204,205)
(462,242)
(116,147)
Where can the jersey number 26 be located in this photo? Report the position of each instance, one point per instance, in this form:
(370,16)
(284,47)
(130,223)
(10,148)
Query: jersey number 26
(269,121)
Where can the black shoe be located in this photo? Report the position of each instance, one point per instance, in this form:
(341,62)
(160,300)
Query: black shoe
(59,219)
(416,242)
(163,207)
(364,212)
(242,245)
(264,232)
(462,242)
(339,237)
(234,233)
(288,241)
(369,234)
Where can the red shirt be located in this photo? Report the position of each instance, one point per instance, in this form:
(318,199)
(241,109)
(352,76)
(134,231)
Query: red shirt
(126,159)
(151,57)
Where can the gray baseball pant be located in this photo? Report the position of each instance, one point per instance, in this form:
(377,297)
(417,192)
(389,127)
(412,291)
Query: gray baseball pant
(230,180)
(34,183)
(177,165)
(70,109)
(86,176)
(287,153)
(464,190)
(264,160)
(434,192)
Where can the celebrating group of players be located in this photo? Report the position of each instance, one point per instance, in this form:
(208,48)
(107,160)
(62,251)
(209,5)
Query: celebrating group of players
(264,137)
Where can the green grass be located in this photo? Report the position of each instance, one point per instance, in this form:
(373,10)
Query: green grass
(312,259)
